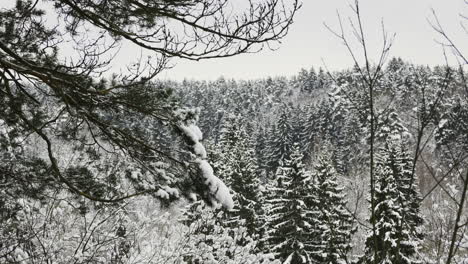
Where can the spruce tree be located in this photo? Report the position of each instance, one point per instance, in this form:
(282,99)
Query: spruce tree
(281,140)
(210,240)
(290,226)
(236,164)
(224,153)
(335,223)
(245,185)
(307,136)
(412,220)
(397,237)
(260,151)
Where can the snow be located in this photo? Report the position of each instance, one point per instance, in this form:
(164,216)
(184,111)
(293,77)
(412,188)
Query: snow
(199,150)
(442,123)
(217,187)
(289,259)
(192,196)
(162,165)
(192,131)
(171,191)
(135,174)
(163,194)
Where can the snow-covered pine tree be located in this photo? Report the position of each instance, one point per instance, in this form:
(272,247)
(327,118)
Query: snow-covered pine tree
(307,136)
(412,220)
(245,185)
(323,122)
(387,218)
(298,122)
(306,80)
(229,132)
(289,227)
(209,240)
(223,153)
(390,126)
(280,140)
(236,164)
(322,79)
(260,152)
(397,237)
(335,223)
(338,137)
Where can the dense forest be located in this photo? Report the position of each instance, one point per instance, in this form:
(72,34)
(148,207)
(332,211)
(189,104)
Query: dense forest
(312,129)
(366,165)
(294,154)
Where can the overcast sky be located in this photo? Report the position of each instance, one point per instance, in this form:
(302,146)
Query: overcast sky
(309,41)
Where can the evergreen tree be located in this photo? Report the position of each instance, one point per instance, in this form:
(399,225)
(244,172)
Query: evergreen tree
(298,123)
(245,185)
(209,240)
(453,126)
(224,154)
(335,222)
(260,152)
(324,116)
(290,230)
(308,134)
(390,126)
(321,80)
(397,237)
(281,140)
(306,81)
(236,164)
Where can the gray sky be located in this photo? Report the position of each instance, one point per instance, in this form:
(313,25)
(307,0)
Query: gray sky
(309,41)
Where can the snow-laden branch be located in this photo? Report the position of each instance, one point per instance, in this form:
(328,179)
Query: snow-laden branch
(188,125)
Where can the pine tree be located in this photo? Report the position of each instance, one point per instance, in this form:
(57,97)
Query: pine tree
(390,126)
(281,140)
(321,80)
(224,153)
(298,123)
(237,165)
(335,223)
(397,219)
(306,81)
(290,229)
(412,220)
(308,134)
(245,184)
(210,240)
(260,151)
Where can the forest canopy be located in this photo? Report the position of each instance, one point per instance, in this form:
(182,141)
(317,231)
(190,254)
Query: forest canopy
(366,165)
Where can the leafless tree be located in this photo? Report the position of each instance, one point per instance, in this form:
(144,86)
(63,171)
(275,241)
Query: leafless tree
(447,42)
(369,75)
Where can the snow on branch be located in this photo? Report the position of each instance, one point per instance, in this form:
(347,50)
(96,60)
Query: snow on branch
(188,125)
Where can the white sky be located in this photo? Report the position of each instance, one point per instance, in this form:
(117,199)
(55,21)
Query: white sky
(309,42)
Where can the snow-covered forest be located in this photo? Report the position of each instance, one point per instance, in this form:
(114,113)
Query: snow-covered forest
(366,165)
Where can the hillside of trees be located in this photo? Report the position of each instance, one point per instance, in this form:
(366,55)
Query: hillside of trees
(366,165)
(294,154)
(320,119)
